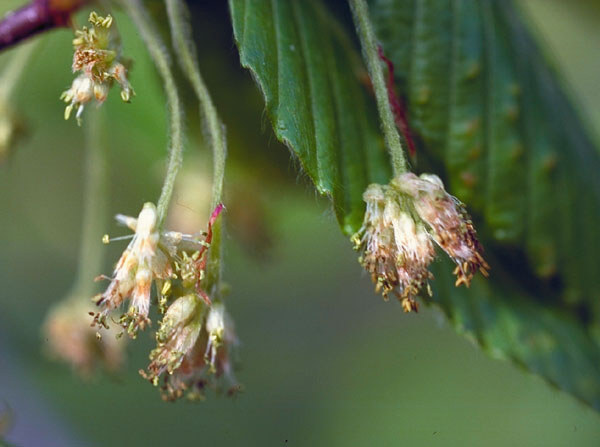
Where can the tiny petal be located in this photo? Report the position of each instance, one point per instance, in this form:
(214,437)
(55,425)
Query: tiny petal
(141,263)
(100,92)
(376,240)
(193,351)
(178,333)
(119,73)
(140,301)
(415,253)
(450,225)
(215,327)
(80,93)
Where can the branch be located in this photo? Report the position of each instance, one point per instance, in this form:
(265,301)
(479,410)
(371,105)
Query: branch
(34,18)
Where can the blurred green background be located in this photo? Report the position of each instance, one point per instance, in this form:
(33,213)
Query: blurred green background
(324,360)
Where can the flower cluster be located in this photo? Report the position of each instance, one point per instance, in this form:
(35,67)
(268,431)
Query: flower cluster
(194,345)
(196,335)
(69,337)
(144,260)
(403,221)
(96,59)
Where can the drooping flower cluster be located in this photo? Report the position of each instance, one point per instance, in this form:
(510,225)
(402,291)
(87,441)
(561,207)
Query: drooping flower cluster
(193,350)
(402,222)
(96,59)
(144,260)
(450,225)
(195,335)
(70,338)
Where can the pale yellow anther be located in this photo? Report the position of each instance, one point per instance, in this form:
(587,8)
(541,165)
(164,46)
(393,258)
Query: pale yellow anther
(68,111)
(95,58)
(166,288)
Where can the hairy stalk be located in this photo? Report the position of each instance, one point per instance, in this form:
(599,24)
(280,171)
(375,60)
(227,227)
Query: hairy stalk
(95,206)
(362,22)
(214,131)
(10,79)
(159,54)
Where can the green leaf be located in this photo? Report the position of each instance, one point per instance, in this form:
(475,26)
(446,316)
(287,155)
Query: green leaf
(489,116)
(484,104)
(306,71)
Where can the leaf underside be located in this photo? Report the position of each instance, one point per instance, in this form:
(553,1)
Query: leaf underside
(490,118)
(316,105)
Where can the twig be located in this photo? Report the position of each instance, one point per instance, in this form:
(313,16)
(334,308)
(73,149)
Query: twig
(37,16)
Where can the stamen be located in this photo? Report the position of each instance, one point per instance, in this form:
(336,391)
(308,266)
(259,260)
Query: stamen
(107,240)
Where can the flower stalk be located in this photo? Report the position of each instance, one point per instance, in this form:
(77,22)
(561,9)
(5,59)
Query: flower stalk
(368,42)
(159,55)
(95,207)
(9,80)
(214,130)
(67,328)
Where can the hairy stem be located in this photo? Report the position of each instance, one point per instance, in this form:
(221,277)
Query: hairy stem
(95,205)
(214,131)
(360,14)
(159,55)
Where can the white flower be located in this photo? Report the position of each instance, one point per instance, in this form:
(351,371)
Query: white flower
(449,224)
(153,256)
(95,58)
(80,93)
(119,74)
(219,328)
(402,220)
(144,260)
(376,240)
(178,333)
(396,249)
(193,350)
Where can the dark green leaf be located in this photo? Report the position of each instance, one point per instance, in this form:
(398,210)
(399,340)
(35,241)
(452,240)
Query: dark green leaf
(489,116)
(513,148)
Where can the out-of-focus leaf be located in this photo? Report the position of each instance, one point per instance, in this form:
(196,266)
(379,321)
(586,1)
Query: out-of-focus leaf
(488,113)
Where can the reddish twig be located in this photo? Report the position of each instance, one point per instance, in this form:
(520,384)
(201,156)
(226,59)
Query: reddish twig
(37,16)
(397,106)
